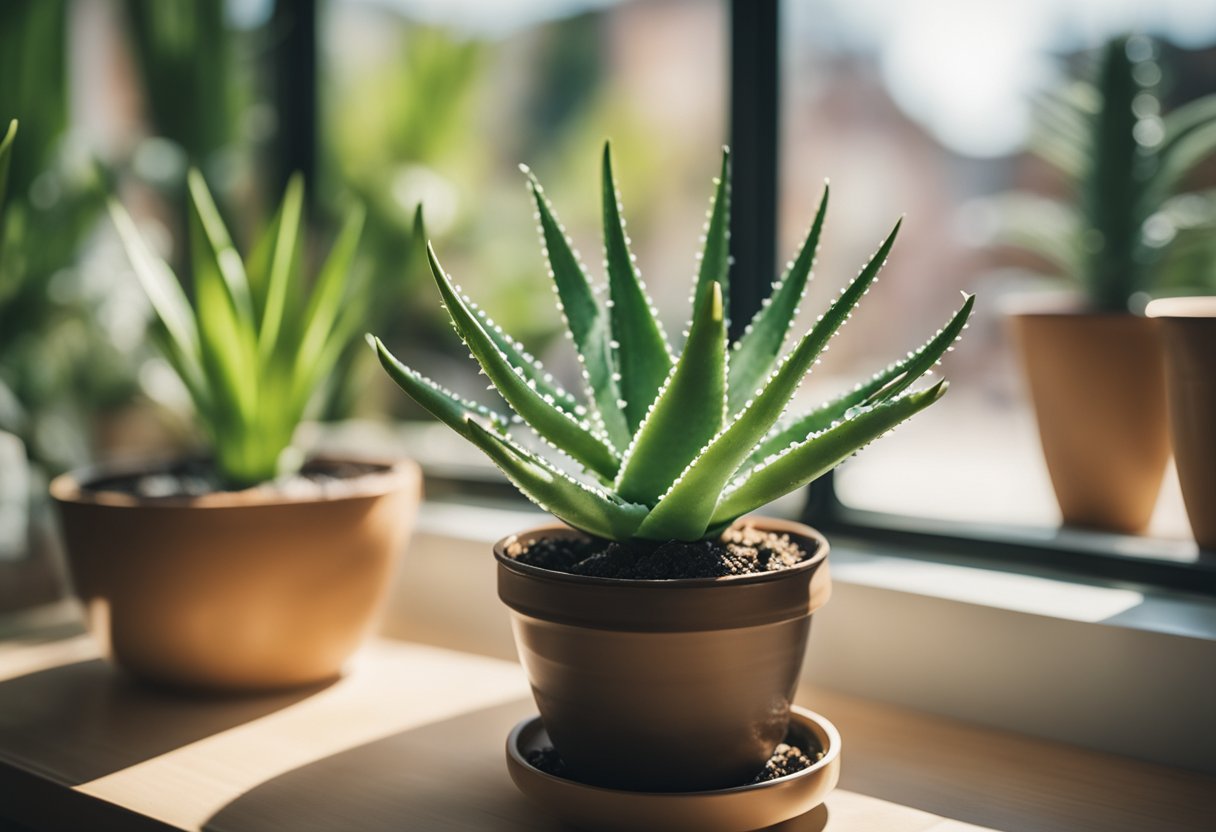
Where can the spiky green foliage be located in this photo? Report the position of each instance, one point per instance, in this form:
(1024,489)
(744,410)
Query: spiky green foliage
(1131,222)
(666,445)
(254,344)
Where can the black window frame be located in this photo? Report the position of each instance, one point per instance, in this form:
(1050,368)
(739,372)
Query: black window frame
(755,120)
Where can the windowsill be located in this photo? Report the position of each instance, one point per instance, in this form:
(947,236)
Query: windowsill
(1120,670)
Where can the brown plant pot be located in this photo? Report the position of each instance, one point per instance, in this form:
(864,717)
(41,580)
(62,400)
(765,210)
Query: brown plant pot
(244,590)
(664,685)
(1188,329)
(1098,387)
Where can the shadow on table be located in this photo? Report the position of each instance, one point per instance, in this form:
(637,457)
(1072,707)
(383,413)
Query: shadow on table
(81,721)
(448,776)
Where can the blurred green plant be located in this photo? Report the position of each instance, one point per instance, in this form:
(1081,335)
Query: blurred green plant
(60,370)
(391,131)
(670,447)
(1130,227)
(256,345)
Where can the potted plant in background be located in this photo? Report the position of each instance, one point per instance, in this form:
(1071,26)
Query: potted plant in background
(1094,363)
(663,636)
(252,568)
(1188,328)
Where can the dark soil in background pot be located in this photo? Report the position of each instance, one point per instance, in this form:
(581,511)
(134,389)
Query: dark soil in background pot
(798,752)
(198,478)
(745,550)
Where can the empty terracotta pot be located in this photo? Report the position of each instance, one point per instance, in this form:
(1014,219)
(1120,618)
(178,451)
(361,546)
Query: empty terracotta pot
(241,590)
(664,685)
(1098,386)
(1188,328)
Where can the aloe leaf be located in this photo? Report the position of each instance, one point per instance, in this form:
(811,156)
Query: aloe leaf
(755,352)
(585,316)
(880,387)
(560,428)
(715,255)
(454,411)
(642,355)
(583,506)
(6,156)
(688,411)
(1183,155)
(325,303)
(1186,119)
(818,454)
(222,252)
(684,512)
(168,301)
(227,339)
(283,264)
(534,373)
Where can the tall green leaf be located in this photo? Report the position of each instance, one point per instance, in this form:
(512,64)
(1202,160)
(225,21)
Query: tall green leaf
(756,351)
(714,257)
(563,430)
(688,411)
(586,318)
(641,352)
(684,512)
(819,454)
(583,506)
(883,385)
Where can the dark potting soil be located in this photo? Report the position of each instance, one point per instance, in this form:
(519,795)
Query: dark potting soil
(788,758)
(198,478)
(743,550)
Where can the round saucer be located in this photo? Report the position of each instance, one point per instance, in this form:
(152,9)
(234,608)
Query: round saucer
(734,809)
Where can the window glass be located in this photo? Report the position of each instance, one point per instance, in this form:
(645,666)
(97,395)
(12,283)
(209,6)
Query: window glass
(924,109)
(440,103)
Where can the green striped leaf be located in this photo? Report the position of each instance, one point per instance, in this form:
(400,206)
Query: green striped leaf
(641,353)
(688,411)
(454,411)
(6,156)
(714,256)
(583,506)
(684,512)
(819,454)
(585,316)
(756,351)
(563,430)
(884,385)
(283,263)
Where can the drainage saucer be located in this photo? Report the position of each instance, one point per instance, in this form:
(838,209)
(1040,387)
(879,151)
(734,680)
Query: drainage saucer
(734,809)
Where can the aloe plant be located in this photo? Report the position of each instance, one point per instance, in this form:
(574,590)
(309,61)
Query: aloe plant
(1131,217)
(669,446)
(254,346)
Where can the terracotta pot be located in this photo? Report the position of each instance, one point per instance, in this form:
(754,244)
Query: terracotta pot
(236,590)
(664,685)
(1098,387)
(1188,328)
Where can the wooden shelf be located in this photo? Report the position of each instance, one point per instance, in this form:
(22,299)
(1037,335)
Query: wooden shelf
(412,739)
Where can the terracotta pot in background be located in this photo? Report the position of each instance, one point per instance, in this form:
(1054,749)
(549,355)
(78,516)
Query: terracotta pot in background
(236,590)
(664,685)
(1098,387)
(1188,329)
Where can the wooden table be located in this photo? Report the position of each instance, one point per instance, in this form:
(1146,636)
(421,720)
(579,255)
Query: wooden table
(412,739)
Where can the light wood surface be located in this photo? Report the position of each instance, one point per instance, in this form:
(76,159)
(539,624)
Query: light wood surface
(412,739)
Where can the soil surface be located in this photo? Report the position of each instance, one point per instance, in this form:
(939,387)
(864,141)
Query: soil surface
(198,478)
(743,550)
(795,754)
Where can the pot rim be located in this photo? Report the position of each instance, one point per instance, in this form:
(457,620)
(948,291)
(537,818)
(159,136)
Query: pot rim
(790,527)
(1198,307)
(73,487)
